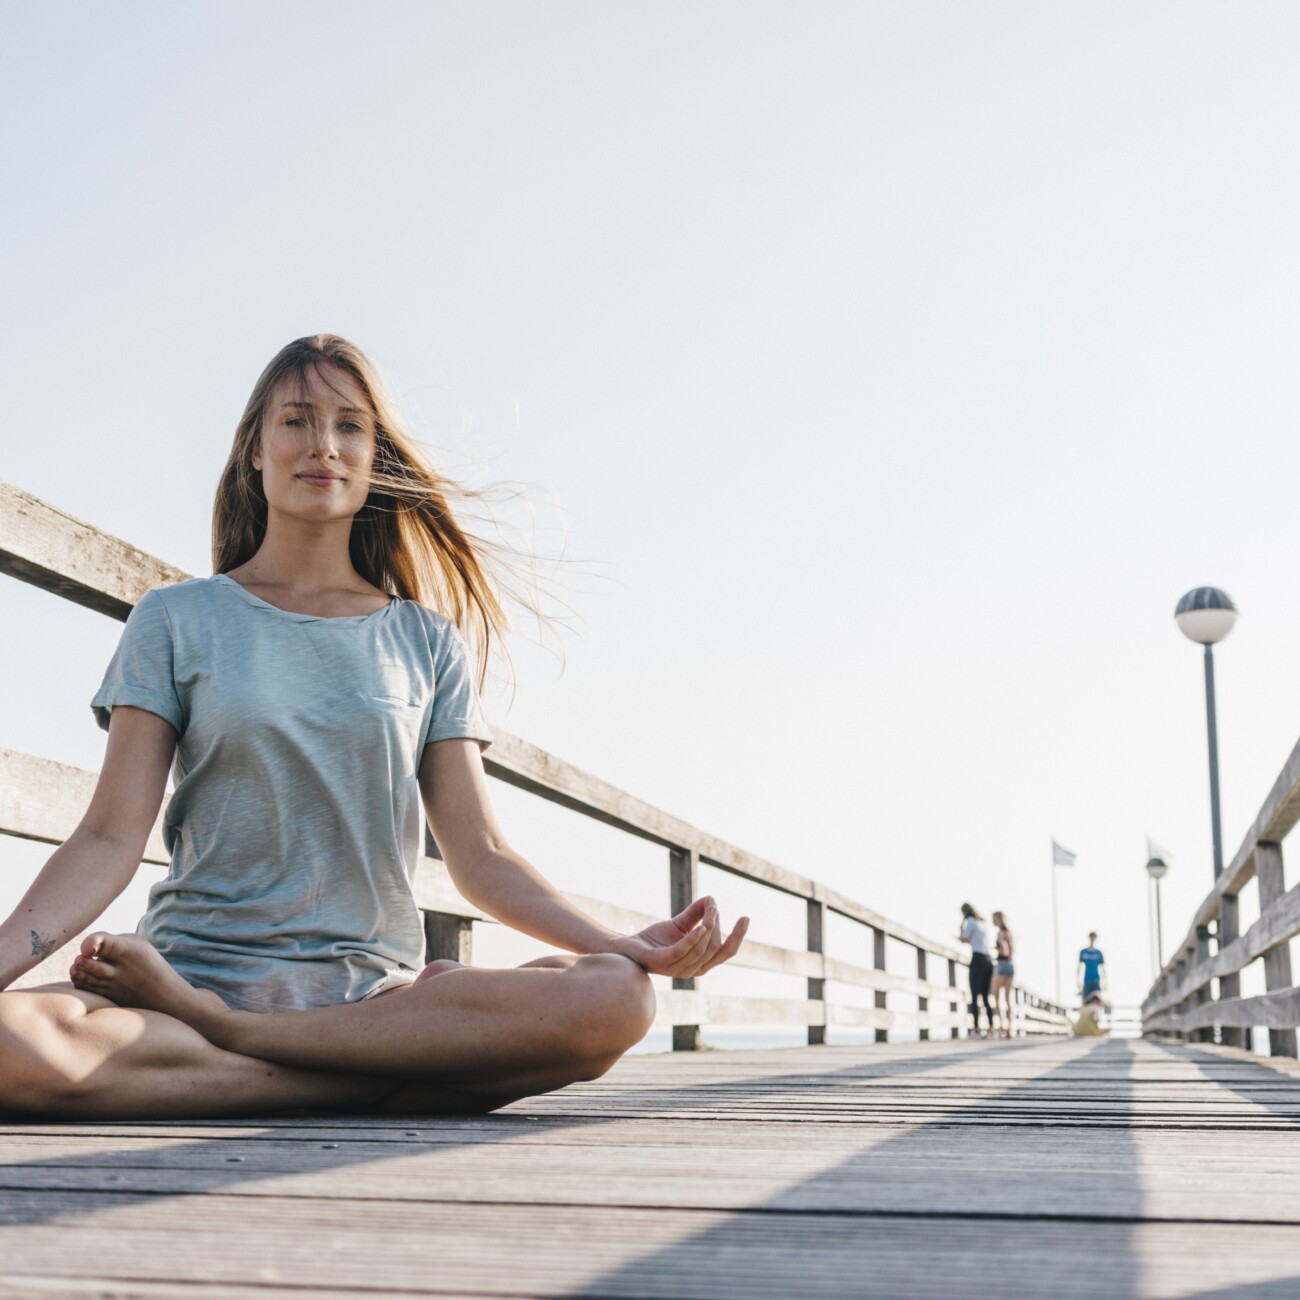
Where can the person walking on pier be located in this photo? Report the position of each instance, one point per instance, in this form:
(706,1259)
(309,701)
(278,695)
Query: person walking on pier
(1092,968)
(1004,972)
(313,693)
(981,966)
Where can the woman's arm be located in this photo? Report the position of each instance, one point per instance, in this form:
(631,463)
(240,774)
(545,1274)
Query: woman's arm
(97,861)
(492,876)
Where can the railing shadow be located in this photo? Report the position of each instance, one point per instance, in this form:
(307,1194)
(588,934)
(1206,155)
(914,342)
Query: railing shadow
(986,1168)
(1250,1081)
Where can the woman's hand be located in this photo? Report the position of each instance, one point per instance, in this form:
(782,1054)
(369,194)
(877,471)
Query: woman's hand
(685,946)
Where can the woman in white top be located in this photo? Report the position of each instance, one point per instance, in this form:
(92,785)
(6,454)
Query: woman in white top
(312,700)
(981,966)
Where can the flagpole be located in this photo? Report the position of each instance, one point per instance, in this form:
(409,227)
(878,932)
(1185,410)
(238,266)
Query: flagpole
(1056,929)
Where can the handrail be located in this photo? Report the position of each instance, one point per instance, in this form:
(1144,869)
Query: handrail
(42,800)
(1181,1000)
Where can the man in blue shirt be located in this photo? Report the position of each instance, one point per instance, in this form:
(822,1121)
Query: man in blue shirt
(1091,973)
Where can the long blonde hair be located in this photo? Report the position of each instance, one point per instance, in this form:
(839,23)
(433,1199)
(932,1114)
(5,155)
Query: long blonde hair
(406,539)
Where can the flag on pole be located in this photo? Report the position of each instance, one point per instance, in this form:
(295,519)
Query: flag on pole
(1061,857)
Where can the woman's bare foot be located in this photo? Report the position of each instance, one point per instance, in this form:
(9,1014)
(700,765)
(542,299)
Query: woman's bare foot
(130,971)
(439,967)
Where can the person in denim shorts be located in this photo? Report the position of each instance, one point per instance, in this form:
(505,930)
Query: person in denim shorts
(1004,971)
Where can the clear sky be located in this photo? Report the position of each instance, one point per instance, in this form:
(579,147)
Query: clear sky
(888,371)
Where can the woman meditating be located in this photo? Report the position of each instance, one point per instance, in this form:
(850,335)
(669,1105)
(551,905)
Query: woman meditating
(311,699)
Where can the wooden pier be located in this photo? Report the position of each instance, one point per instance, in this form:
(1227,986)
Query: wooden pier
(948,1167)
(1031,1168)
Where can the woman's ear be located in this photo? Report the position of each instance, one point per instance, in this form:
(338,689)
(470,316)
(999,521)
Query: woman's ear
(257,459)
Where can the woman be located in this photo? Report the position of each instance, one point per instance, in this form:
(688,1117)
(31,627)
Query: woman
(312,700)
(981,968)
(1003,974)
(1087,1024)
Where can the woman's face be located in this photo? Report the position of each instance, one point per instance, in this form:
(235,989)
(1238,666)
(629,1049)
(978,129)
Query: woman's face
(317,446)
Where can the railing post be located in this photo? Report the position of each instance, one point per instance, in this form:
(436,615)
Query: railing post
(922,1004)
(817,985)
(955,1031)
(878,961)
(1202,995)
(1180,967)
(445,937)
(1277,964)
(683,879)
(450,937)
(1230,985)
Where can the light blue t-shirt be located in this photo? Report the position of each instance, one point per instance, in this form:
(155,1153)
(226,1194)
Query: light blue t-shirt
(294,827)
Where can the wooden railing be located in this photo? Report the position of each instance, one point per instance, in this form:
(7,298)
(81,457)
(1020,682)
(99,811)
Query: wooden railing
(1184,1000)
(43,800)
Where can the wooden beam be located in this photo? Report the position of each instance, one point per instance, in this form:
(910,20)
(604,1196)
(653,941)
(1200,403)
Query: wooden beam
(1277,961)
(869,977)
(49,549)
(855,911)
(44,800)
(525,766)
(1279,1012)
(922,1002)
(689,1008)
(1276,819)
(684,889)
(1277,925)
(816,927)
(855,1017)
(878,961)
(1202,994)
(1230,985)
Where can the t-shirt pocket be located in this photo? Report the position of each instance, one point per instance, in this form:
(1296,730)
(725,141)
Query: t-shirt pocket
(403,717)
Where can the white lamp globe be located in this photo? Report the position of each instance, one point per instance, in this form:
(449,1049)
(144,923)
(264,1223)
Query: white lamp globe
(1206,615)
(1156,868)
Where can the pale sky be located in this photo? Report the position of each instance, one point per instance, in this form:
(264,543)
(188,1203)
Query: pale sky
(887,371)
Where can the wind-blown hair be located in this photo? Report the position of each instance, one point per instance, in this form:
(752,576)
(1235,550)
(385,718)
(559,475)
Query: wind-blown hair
(406,539)
(968,909)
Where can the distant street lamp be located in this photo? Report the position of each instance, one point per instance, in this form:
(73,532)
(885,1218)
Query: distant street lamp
(1156,868)
(1206,615)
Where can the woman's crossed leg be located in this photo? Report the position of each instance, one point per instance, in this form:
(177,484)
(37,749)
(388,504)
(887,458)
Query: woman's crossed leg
(69,1054)
(135,1041)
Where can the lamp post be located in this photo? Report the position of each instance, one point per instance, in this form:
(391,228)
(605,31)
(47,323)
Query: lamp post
(1206,615)
(1156,868)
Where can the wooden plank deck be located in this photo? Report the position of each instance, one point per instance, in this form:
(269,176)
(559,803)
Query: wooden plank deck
(1013,1170)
